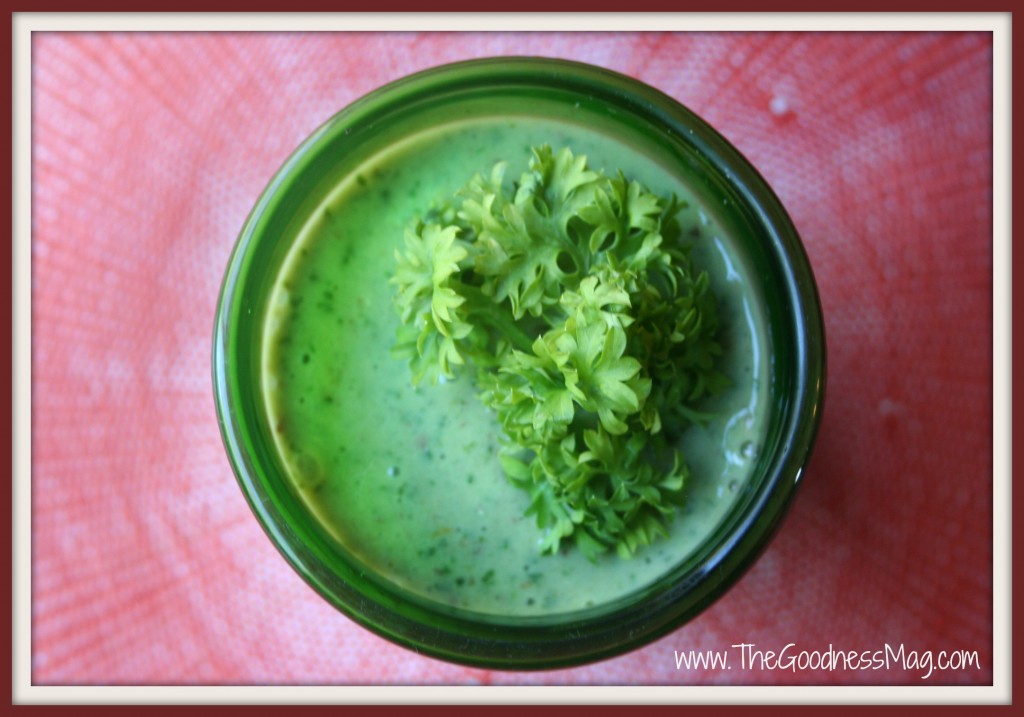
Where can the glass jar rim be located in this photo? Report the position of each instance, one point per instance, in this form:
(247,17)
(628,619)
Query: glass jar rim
(571,638)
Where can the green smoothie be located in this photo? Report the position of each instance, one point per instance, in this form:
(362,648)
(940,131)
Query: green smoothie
(407,479)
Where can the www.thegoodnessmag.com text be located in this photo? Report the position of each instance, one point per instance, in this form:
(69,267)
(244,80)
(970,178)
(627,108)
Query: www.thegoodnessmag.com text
(750,657)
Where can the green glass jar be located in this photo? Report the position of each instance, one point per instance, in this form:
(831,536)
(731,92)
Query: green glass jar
(389,501)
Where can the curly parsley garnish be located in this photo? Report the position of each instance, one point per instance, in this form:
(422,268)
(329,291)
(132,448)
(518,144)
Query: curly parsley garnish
(592,334)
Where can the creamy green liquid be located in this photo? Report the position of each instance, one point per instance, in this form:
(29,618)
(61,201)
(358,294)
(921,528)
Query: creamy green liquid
(407,479)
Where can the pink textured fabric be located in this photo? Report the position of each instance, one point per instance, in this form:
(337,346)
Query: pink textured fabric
(149,151)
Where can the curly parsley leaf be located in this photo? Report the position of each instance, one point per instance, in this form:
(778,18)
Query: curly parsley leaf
(592,335)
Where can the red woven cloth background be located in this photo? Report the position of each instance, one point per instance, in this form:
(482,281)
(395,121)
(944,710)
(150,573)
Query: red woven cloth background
(149,151)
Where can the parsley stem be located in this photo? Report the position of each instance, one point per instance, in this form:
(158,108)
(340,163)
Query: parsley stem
(483,307)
